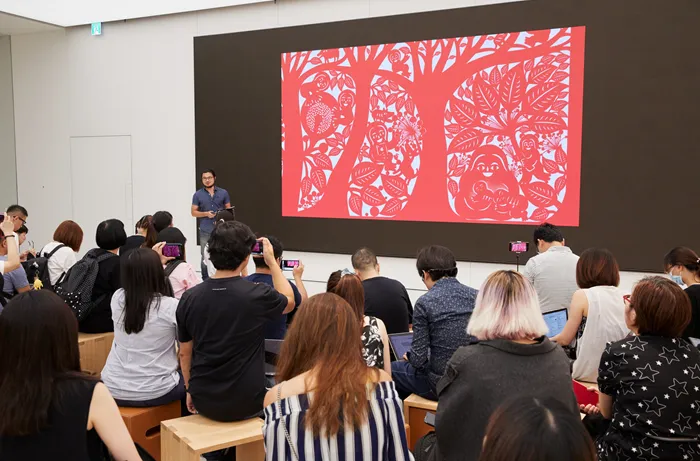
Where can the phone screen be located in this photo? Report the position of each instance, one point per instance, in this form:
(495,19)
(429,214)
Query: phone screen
(290,264)
(257,248)
(172,250)
(519,247)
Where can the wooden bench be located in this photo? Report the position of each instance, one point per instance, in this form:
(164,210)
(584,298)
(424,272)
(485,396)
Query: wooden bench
(185,439)
(144,424)
(94,349)
(414,410)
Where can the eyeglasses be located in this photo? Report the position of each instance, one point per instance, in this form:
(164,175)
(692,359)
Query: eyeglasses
(24,221)
(627,299)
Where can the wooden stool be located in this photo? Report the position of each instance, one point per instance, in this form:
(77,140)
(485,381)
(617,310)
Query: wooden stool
(414,410)
(185,439)
(144,424)
(94,349)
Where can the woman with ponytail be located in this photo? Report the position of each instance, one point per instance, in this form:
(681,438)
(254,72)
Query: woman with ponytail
(683,266)
(145,235)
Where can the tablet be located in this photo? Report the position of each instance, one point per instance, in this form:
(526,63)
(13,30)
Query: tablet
(272,352)
(555,321)
(400,343)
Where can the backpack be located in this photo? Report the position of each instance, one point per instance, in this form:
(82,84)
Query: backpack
(3,298)
(38,269)
(75,286)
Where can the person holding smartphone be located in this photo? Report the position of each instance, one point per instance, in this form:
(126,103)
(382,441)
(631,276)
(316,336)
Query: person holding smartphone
(206,202)
(12,261)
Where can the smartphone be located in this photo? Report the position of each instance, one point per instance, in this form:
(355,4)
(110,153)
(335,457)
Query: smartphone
(289,264)
(172,250)
(519,247)
(257,248)
(429,419)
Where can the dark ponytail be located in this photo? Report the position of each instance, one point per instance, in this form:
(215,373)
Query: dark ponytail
(151,236)
(682,256)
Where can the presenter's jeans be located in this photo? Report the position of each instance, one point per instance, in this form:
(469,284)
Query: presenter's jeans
(203,240)
(410,380)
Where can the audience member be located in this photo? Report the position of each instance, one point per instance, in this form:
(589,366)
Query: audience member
(206,203)
(141,370)
(276,328)
(49,409)
(597,312)
(18,214)
(162,220)
(512,358)
(385,298)
(553,270)
(67,239)
(649,382)
(529,429)
(329,405)
(15,281)
(109,237)
(221,324)
(439,321)
(221,216)
(145,235)
(683,266)
(29,253)
(181,274)
(375,341)
(11,260)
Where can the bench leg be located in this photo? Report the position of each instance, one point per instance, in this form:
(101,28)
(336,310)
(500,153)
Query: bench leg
(254,451)
(172,449)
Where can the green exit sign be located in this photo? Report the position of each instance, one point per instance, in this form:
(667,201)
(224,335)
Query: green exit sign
(96,28)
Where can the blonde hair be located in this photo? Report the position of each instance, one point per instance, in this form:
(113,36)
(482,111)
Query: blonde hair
(507,308)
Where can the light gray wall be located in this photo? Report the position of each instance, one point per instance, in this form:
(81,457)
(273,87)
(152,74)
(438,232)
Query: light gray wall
(8,170)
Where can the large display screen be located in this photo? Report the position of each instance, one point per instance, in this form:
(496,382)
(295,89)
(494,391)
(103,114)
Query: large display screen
(469,129)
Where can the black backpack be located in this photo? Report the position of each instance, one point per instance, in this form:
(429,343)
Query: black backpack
(75,286)
(38,268)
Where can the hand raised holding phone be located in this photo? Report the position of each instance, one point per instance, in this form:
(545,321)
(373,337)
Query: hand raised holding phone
(268,252)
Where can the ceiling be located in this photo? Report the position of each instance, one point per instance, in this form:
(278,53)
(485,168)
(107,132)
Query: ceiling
(15,25)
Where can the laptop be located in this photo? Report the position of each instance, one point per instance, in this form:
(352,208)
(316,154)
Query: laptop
(400,343)
(556,320)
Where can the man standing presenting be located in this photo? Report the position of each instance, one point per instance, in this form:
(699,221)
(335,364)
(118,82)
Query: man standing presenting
(206,202)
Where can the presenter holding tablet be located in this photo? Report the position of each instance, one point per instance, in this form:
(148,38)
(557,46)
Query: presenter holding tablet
(206,202)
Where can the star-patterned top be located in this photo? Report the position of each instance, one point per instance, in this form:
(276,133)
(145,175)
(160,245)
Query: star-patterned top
(655,386)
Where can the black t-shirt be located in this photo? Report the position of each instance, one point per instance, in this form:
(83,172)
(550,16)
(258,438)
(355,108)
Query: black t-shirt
(108,281)
(693,328)
(226,319)
(388,300)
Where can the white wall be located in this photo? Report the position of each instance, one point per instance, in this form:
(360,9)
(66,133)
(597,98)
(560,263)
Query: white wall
(137,79)
(8,171)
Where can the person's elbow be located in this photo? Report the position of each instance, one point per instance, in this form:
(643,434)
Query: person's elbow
(24,289)
(11,266)
(185,352)
(290,305)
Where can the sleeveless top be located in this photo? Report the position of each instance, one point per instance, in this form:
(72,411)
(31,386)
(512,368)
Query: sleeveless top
(65,436)
(381,438)
(372,344)
(605,323)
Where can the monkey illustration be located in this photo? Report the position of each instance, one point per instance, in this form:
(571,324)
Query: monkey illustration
(320,111)
(486,187)
(530,157)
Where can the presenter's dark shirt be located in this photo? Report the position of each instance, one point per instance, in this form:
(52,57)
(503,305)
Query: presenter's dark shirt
(693,328)
(275,328)
(225,319)
(207,202)
(388,300)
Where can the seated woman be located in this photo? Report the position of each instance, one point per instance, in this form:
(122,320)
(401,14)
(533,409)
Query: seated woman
(328,404)
(529,429)
(55,411)
(181,274)
(375,340)
(597,312)
(683,266)
(109,238)
(68,236)
(649,383)
(141,369)
(512,358)
(145,235)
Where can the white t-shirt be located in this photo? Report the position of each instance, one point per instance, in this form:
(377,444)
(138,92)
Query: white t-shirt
(60,262)
(143,366)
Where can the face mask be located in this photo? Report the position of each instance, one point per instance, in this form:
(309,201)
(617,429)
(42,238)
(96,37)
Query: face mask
(676,278)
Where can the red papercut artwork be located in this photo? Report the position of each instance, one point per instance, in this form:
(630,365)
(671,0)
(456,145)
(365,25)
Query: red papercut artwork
(472,129)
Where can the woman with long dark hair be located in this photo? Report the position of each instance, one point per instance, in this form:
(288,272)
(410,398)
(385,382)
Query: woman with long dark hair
(48,408)
(329,404)
(375,340)
(141,369)
(145,236)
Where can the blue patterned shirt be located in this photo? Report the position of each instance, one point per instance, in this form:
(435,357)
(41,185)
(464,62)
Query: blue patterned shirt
(440,319)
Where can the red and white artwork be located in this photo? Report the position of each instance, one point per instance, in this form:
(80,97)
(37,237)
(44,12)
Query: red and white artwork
(471,129)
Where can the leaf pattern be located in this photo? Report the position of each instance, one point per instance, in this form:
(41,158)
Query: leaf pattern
(539,193)
(365,173)
(372,196)
(394,186)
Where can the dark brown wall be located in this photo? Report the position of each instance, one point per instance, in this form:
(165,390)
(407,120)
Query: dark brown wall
(640,184)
